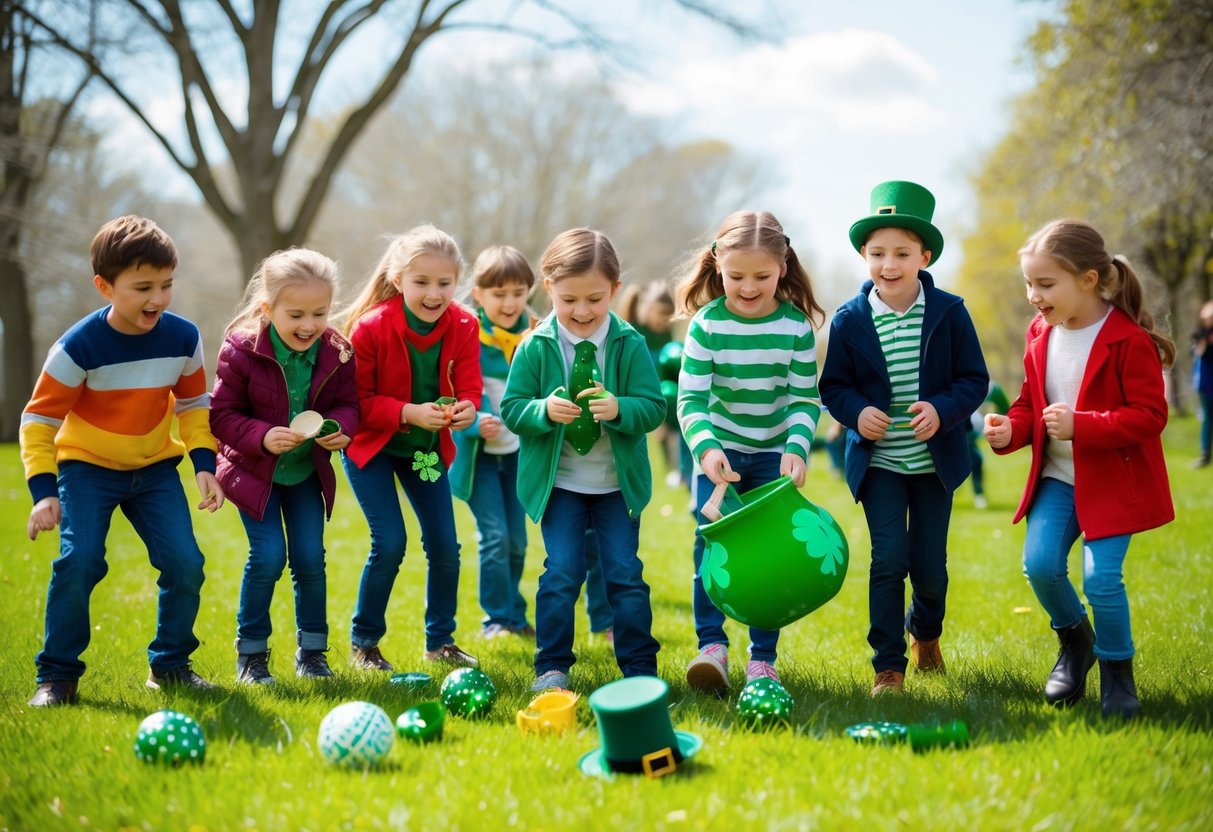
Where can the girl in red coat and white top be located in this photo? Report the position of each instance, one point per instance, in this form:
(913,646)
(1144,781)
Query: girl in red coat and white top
(418,371)
(1093,409)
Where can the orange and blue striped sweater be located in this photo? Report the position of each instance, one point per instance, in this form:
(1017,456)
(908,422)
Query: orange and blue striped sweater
(109,398)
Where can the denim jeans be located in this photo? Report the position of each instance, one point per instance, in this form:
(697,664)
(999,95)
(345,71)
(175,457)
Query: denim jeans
(1206,424)
(596,604)
(154,501)
(1052,530)
(375,488)
(565,520)
(755,470)
(301,509)
(501,521)
(907,517)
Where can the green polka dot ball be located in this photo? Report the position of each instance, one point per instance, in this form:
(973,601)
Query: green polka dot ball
(170,737)
(764,702)
(468,692)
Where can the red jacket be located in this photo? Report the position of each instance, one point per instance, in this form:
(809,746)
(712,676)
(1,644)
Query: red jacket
(1120,477)
(385,376)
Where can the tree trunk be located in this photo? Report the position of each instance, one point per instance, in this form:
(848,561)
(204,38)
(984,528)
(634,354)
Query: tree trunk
(18,342)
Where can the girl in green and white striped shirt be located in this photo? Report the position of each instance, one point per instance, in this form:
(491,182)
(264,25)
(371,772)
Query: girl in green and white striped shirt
(747,395)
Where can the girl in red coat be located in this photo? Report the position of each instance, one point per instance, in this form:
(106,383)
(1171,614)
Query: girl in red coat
(1093,409)
(281,358)
(418,379)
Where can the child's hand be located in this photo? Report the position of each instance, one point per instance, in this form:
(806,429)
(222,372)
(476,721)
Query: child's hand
(490,426)
(926,423)
(1059,420)
(603,405)
(43,517)
(561,410)
(792,465)
(716,467)
(425,415)
(997,430)
(212,493)
(461,414)
(873,422)
(279,440)
(334,441)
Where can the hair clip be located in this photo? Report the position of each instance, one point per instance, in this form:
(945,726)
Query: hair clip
(786,241)
(713,246)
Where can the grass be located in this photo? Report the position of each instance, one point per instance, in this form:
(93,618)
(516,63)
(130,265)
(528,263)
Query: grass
(1030,767)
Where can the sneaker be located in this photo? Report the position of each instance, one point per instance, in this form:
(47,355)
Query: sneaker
(710,669)
(888,681)
(551,679)
(451,654)
(179,677)
(979,501)
(312,664)
(58,692)
(926,655)
(492,631)
(526,631)
(254,668)
(369,658)
(760,670)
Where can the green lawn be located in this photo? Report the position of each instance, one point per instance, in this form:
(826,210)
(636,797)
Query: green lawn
(1029,767)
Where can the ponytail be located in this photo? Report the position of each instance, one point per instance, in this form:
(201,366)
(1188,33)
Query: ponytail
(1125,292)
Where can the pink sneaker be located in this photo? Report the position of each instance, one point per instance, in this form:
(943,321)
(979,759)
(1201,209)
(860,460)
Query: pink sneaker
(710,669)
(760,670)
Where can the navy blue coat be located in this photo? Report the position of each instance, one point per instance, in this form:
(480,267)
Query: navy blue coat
(952,376)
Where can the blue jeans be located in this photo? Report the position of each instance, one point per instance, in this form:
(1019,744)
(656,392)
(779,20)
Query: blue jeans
(1206,424)
(597,607)
(565,520)
(501,521)
(375,488)
(154,501)
(755,470)
(301,508)
(908,517)
(1052,530)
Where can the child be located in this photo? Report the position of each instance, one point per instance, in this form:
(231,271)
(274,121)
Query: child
(281,358)
(485,471)
(747,395)
(1202,377)
(101,420)
(904,372)
(582,395)
(414,346)
(1093,409)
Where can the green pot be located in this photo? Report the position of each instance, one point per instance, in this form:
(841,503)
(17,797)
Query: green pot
(774,559)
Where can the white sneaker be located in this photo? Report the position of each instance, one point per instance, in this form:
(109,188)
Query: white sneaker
(979,501)
(710,669)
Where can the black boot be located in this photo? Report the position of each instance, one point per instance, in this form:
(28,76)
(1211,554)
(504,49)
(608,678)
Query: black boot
(1118,692)
(1068,681)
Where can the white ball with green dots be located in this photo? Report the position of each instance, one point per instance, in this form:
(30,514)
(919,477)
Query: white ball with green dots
(170,737)
(356,735)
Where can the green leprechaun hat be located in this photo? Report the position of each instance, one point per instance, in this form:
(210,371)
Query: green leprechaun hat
(901,205)
(637,736)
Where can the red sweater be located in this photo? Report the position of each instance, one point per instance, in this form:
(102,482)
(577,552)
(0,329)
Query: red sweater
(385,375)
(1120,477)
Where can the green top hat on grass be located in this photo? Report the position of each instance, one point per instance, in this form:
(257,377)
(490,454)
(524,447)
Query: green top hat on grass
(637,736)
(901,205)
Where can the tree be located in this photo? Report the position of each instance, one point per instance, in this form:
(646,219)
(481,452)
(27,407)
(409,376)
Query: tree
(33,122)
(203,44)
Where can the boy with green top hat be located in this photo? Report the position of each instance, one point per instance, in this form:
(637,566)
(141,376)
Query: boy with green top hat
(903,373)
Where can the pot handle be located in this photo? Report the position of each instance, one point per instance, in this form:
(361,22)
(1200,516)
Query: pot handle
(724,500)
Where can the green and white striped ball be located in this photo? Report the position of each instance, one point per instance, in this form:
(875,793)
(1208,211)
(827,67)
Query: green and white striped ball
(356,735)
(170,737)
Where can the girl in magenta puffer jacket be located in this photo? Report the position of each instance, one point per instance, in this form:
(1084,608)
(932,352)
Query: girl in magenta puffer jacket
(279,360)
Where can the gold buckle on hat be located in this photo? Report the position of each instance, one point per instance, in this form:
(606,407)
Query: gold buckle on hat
(665,756)
(887,209)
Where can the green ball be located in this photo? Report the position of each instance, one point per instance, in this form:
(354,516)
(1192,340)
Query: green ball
(669,390)
(765,702)
(669,362)
(468,692)
(170,737)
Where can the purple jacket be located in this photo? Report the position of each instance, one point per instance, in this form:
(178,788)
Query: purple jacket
(250,398)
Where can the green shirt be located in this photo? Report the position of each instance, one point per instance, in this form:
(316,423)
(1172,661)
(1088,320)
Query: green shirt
(425,389)
(295,465)
(900,336)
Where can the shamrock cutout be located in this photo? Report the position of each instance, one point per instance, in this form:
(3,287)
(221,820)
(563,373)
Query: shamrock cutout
(821,538)
(712,570)
(427,464)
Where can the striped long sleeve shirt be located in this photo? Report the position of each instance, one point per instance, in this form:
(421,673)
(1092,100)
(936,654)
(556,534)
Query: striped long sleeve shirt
(109,398)
(749,384)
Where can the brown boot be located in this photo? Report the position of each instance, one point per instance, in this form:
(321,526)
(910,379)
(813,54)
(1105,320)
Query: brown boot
(58,692)
(369,658)
(890,681)
(926,655)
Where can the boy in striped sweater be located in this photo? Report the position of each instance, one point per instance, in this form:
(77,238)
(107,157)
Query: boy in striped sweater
(904,372)
(96,436)
(747,395)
